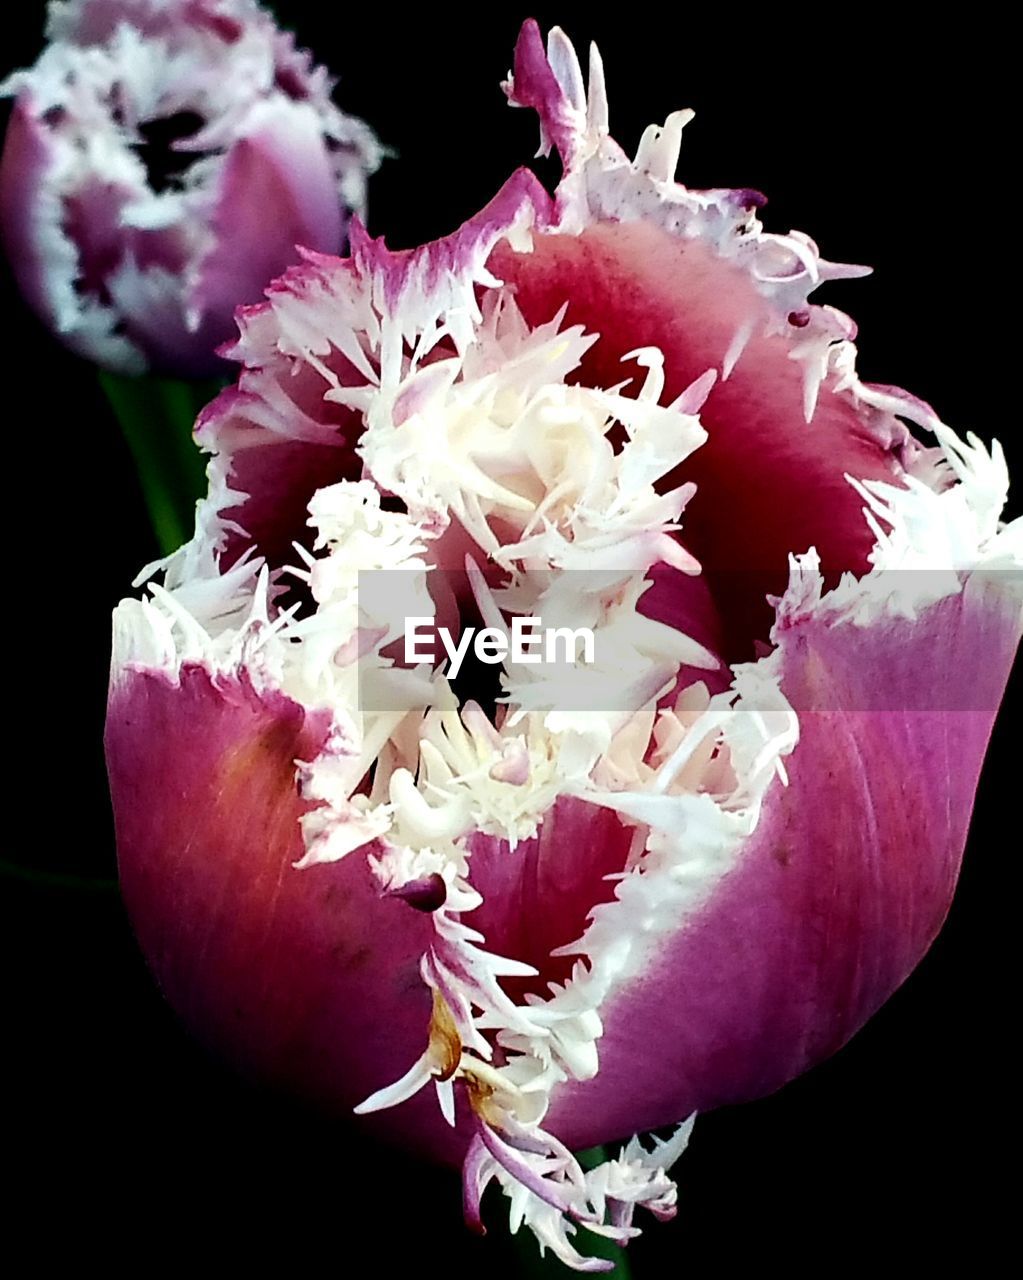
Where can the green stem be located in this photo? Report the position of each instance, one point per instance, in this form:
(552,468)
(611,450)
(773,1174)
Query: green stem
(588,1244)
(157,416)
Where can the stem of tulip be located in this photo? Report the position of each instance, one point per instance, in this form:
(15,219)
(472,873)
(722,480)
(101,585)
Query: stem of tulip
(588,1244)
(157,416)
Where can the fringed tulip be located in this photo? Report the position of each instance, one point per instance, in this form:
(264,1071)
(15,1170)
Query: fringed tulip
(163,160)
(506,932)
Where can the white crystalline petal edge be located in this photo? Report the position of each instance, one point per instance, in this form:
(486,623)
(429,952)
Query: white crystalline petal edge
(494,389)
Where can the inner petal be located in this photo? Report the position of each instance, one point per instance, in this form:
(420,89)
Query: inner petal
(285,442)
(537,897)
(768,482)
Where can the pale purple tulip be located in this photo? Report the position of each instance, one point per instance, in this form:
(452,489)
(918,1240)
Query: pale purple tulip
(560,927)
(163,160)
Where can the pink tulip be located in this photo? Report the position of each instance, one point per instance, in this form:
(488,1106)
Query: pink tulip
(163,159)
(505,934)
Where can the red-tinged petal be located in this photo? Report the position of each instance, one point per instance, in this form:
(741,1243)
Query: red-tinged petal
(686,603)
(477,1172)
(283,973)
(148,303)
(780,479)
(844,883)
(646,261)
(537,896)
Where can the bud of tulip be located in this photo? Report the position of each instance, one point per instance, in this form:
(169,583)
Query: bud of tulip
(163,160)
(524,928)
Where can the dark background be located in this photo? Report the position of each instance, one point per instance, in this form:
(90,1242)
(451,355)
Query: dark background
(128,1143)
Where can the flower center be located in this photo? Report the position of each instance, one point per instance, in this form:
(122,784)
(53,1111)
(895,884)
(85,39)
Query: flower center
(166,166)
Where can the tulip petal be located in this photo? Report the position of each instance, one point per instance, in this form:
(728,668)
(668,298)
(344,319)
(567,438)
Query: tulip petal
(537,896)
(29,160)
(275,190)
(788,419)
(782,478)
(202,773)
(845,881)
(43,256)
(287,431)
(94,21)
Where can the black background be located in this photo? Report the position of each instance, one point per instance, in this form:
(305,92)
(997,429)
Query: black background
(887,146)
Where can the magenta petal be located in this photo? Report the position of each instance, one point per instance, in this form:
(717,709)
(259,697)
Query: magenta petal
(149,305)
(281,437)
(26,168)
(767,482)
(841,888)
(536,86)
(282,972)
(276,191)
(537,896)
(477,1172)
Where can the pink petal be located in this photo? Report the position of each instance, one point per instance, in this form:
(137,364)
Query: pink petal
(275,191)
(842,887)
(768,483)
(685,603)
(537,86)
(28,159)
(536,897)
(640,270)
(477,1172)
(283,438)
(285,973)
